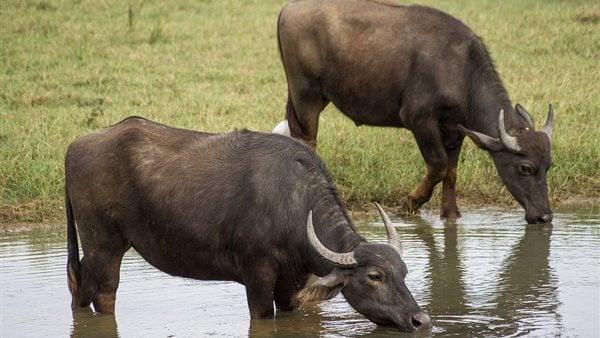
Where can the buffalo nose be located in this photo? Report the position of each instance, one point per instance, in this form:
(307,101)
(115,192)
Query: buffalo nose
(421,321)
(546,218)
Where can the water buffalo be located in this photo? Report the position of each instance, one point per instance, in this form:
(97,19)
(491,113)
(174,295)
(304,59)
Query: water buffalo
(412,67)
(236,207)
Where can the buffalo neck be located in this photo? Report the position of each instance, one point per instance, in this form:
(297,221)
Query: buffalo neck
(485,116)
(487,96)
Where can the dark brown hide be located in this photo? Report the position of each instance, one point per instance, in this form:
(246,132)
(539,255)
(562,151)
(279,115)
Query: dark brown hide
(410,67)
(212,207)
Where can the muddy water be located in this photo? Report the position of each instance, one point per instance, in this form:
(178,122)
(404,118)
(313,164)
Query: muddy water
(487,274)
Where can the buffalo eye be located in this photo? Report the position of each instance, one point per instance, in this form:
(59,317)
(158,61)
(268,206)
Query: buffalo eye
(526,169)
(374,276)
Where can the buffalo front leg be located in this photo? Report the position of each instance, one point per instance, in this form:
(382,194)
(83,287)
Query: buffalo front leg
(286,290)
(449,208)
(260,284)
(431,146)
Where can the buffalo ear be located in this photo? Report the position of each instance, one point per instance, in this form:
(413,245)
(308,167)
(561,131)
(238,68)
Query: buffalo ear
(524,114)
(482,140)
(324,288)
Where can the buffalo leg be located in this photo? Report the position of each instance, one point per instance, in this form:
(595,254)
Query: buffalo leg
(449,208)
(286,290)
(431,146)
(260,283)
(305,103)
(103,249)
(100,279)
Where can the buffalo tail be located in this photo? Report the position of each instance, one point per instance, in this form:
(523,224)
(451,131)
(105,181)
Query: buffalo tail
(73,264)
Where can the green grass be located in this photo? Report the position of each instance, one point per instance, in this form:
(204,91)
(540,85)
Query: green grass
(70,67)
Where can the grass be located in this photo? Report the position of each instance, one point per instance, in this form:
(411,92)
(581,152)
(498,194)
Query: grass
(70,67)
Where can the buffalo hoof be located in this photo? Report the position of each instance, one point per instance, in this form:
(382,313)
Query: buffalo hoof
(408,206)
(450,213)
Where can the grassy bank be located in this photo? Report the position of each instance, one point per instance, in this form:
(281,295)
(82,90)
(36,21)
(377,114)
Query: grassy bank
(70,67)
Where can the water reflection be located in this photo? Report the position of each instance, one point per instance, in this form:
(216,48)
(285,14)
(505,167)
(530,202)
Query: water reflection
(486,275)
(527,290)
(86,323)
(447,294)
(303,322)
(524,291)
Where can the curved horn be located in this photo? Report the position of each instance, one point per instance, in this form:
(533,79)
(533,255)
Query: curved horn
(345,259)
(549,123)
(510,142)
(393,238)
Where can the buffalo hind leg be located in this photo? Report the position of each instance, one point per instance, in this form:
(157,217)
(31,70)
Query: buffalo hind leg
(100,275)
(431,146)
(286,290)
(305,104)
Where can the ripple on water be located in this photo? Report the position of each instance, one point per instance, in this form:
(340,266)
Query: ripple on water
(486,274)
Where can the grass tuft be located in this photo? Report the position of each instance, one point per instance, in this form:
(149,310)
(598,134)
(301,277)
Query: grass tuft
(157,33)
(132,13)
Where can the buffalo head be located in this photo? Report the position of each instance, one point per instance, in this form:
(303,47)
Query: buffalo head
(371,278)
(522,160)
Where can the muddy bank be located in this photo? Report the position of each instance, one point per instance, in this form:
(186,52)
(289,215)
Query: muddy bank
(27,217)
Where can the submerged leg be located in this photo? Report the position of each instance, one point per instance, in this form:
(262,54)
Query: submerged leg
(103,249)
(286,290)
(100,279)
(260,283)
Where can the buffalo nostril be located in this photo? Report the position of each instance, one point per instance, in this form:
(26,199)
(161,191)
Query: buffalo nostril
(421,321)
(546,218)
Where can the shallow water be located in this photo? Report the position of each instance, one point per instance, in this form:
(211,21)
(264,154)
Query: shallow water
(488,274)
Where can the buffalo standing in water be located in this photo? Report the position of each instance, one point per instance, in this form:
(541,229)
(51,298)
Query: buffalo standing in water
(412,67)
(237,207)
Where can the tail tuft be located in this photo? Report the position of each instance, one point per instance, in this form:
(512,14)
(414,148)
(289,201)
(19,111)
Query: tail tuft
(73,264)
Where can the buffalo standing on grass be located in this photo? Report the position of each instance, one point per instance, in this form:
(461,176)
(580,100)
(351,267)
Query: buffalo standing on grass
(412,67)
(236,207)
